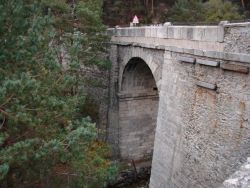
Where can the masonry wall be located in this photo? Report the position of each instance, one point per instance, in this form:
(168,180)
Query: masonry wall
(137,127)
(134,99)
(202,133)
(138,107)
(113,111)
(203,129)
(96,86)
(240,179)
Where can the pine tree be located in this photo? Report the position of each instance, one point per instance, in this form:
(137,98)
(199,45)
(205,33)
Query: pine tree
(43,135)
(198,11)
(217,10)
(186,11)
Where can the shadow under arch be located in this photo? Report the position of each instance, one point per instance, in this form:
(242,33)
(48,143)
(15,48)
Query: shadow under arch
(153,66)
(138,108)
(137,75)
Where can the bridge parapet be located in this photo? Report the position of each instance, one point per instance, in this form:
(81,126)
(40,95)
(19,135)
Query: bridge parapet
(167,31)
(227,41)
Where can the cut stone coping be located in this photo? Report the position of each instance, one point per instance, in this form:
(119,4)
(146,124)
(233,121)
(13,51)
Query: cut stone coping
(236,57)
(206,85)
(207,62)
(235,67)
(186,59)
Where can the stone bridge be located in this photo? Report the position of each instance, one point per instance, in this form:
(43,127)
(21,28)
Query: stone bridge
(180,97)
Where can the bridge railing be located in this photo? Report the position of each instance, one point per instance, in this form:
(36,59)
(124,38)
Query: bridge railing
(169,31)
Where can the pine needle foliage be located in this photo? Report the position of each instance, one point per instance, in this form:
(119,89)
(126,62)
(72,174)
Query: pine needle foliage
(194,11)
(218,10)
(43,135)
(186,11)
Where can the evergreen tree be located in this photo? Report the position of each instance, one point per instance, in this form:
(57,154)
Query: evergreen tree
(43,136)
(186,11)
(199,11)
(217,10)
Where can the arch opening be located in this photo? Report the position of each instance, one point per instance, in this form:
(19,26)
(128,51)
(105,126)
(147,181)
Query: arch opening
(138,108)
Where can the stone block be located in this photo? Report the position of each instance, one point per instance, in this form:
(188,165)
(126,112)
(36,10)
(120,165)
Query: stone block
(130,32)
(186,59)
(176,49)
(162,32)
(170,31)
(198,33)
(178,32)
(208,62)
(183,32)
(168,48)
(147,32)
(235,67)
(140,32)
(245,58)
(212,54)
(160,47)
(206,85)
(175,32)
(154,32)
(188,51)
(190,33)
(242,24)
(221,33)
(211,33)
(198,52)
(232,56)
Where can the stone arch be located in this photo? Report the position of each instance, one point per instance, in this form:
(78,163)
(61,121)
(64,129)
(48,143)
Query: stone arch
(148,58)
(138,108)
(138,76)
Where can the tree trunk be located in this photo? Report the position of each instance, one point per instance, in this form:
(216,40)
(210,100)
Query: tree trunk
(152,7)
(243,3)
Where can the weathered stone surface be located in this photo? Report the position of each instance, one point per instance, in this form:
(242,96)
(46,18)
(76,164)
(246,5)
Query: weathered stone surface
(237,38)
(240,179)
(186,59)
(160,47)
(202,136)
(208,62)
(138,106)
(137,89)
(228,56)
(235,67)
(206,85)
(113,128)
(197,33)
(97,94)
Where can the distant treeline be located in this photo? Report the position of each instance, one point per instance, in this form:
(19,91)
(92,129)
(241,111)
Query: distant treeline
(121,12)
